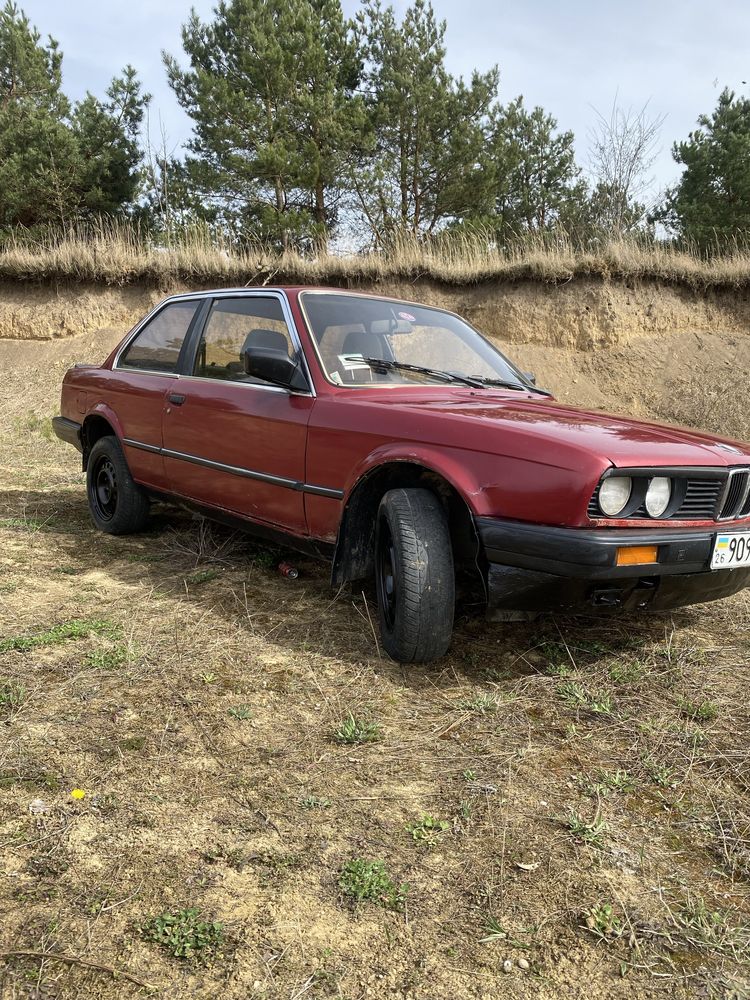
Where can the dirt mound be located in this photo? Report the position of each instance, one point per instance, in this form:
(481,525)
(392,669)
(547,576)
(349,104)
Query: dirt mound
(581,315)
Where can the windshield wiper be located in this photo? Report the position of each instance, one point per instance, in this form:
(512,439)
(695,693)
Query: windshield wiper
(383,365)
(509,385)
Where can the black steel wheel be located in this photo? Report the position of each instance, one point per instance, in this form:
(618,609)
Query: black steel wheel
(414,576)
(117,504)
(104,489)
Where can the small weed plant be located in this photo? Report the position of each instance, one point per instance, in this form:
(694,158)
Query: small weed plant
(240,712)
(108,659)
(369,881)
(12,695)
(355,730)
(699,711)
(609,781)
(482,704)
(574,694)
(602,921)
(186,935)
(426,829)
(315,802)
(586,832)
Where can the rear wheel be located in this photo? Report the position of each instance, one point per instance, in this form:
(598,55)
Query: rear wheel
(117,504)
(414,576)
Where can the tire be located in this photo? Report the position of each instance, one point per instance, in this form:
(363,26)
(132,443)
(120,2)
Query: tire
(414,576)
(117,504)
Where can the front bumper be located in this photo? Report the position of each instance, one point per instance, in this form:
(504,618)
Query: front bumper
(533,568)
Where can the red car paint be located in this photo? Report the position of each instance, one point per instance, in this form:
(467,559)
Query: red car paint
(512,455)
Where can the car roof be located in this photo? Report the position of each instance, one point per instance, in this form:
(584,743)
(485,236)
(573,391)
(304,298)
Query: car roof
(290,290)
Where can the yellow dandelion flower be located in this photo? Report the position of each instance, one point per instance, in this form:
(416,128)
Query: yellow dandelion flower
(78,794)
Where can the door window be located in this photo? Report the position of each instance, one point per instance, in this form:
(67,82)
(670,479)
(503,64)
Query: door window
(157,347)
(234,325)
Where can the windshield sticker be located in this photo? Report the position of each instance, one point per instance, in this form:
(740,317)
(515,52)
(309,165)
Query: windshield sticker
(352,362)
(408,317)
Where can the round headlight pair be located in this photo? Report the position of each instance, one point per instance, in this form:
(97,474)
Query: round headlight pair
(614,494)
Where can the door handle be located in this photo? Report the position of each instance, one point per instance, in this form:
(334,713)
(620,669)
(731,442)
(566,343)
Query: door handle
(176,398)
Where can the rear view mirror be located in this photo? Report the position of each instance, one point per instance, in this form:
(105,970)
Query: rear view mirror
(530,377)
(274,366)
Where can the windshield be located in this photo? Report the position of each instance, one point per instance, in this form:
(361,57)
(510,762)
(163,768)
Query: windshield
(415,344)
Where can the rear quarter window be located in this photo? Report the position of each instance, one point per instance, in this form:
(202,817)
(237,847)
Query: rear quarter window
(156,348)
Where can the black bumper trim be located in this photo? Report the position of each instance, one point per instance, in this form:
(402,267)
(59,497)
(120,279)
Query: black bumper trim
(590,554)
(534,568)
(68,431)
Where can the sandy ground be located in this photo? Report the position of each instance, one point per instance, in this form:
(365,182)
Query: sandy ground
(569,797)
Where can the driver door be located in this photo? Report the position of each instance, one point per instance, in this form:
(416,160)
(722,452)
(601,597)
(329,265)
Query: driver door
(232,441)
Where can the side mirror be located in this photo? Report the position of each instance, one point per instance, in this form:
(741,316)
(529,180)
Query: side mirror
(530,377)
(274,366)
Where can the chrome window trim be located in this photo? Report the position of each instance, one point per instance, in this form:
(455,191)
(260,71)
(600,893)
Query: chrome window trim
(224,293)
(406,302)
(265,386)
(116,366)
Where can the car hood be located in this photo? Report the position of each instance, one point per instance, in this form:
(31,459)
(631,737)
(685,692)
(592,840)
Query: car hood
(616,440)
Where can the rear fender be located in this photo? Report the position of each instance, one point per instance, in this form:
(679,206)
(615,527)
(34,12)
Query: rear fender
(92,427)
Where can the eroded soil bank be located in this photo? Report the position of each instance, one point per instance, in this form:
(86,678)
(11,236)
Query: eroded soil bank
(579,314)
(646,349)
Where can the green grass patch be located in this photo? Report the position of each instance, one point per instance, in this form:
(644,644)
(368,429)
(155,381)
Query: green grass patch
(109,659)
(76,629)
(186,935)
(354,730)
(369,881)
(12,695)
(577,696)
(201,576)
(699,711)
(426,829)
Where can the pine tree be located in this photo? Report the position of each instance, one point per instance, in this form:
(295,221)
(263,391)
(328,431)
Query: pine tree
(38,154)
(711,202)
(270,90)
(421,168)
(536,181)
(57,165)
(107,134)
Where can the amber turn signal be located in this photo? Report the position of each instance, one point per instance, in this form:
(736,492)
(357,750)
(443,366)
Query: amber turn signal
(635,555)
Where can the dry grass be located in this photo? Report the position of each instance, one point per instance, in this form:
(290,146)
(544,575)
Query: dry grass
(120,254)
(199,710)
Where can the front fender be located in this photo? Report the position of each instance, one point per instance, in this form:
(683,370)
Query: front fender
(451,467)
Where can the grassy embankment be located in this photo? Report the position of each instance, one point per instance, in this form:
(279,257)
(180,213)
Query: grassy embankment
(120,254)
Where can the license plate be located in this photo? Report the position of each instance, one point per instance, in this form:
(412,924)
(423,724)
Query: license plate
(731,551)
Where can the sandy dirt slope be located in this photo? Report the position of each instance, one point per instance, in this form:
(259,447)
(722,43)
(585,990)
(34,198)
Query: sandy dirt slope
(569,797)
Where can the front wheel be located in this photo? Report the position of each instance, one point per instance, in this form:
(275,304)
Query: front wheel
(117,504)
(414,576)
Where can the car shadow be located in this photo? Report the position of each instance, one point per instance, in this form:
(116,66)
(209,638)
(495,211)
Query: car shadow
(230,574)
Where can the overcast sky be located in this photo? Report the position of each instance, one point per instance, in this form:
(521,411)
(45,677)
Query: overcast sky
(570,57)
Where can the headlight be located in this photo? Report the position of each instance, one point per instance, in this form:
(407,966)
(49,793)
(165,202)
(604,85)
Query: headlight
(658,495)
(614,493)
